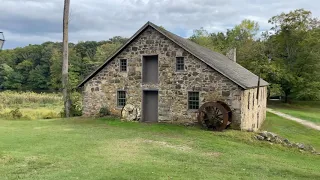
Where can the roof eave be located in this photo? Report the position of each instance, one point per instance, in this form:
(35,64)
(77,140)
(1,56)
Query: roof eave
(160,31)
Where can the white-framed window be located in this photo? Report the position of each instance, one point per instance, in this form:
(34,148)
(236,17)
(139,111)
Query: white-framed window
(179,63)
(123,65)
(121,98)
(193,100)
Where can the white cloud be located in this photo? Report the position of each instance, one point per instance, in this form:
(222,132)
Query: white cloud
(35,21)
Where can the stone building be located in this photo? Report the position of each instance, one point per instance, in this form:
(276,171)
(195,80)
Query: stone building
(169,78)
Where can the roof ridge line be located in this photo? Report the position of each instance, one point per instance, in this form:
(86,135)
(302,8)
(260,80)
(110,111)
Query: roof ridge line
(181,42)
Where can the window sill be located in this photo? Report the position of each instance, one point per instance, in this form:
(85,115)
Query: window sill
(184,71)
(150,83)
(192,110)
(119,107)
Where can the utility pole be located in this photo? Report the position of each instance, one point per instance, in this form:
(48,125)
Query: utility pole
(65,83)
(2,40)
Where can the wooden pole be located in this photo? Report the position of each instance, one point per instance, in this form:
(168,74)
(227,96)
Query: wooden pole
(65,83)
(258,88)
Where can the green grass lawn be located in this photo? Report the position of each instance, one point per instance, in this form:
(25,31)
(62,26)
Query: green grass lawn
(292,130)
(109,149)
(307,110)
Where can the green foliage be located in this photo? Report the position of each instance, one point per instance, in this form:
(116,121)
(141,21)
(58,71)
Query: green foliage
(16,114)
(76,104)
(38,67)
(104,111)
(295,46)
(288,58)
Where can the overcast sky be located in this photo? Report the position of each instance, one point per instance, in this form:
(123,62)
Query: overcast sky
(36,21)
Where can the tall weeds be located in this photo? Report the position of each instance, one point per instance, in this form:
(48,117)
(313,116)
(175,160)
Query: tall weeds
(10,98)
(30,105)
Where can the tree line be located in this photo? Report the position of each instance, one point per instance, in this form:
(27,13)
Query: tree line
(287,56)
(38,67)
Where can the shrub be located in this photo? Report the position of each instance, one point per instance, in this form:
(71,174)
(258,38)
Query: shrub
(104,111)
(16,114)
(49,115)
(76,105)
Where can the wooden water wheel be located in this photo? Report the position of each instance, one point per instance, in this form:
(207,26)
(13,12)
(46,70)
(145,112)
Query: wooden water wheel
(214,115)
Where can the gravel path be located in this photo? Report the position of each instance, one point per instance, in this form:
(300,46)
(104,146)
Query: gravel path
(298,120)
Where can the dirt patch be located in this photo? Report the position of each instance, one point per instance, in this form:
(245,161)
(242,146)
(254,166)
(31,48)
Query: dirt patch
(120,150)
(166,144)
(6,159)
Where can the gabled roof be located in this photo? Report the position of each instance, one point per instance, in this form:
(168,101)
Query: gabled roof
(228,68)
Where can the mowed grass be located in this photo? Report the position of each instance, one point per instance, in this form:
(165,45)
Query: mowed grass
(307,110)
(291,130)
(110,149)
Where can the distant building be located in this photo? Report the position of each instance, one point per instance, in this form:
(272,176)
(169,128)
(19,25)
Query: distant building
(169,78)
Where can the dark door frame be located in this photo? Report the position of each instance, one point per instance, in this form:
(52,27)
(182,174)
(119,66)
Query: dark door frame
(142,103)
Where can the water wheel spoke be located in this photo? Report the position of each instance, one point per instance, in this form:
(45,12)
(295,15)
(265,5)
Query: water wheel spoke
(221,119)
(220,115)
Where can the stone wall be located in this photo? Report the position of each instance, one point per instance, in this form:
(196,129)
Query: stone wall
(253,110)
(173,86)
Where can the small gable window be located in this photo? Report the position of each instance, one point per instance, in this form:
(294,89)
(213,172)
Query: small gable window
(123,65)
(179,63)
(121,98)
(193,100)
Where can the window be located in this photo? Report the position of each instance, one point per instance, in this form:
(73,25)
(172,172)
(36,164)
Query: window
(193,100)
(180,64)
(121,98)
(249,101)
(123,65)
(253,101)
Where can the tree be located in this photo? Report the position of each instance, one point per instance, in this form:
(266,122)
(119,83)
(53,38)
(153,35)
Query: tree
(223,42)
(65,85)
(290,46)
(37,79)
(104,51)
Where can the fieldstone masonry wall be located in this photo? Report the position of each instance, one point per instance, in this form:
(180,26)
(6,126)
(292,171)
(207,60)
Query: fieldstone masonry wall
(253,110)
(173,86)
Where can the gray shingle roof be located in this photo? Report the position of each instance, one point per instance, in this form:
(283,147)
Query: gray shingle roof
(230,69)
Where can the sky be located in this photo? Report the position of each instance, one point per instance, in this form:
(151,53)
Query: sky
(27,22)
